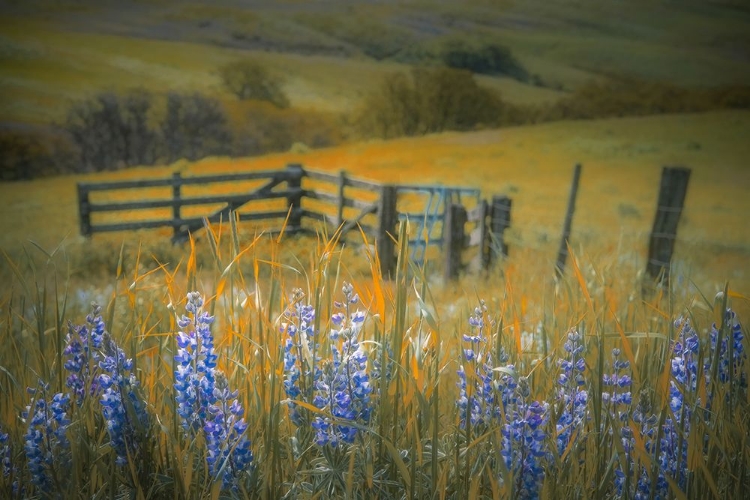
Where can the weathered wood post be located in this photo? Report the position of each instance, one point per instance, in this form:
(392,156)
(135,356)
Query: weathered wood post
(387,220)
(672,191)
(484,234)
(340,206)
(176,204)
(295,172)
(499,222)
(84,210)
(562,254)
(453,239)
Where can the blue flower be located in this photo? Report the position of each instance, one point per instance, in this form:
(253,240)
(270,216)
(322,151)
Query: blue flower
(573,397)
(485,393)
(82,344)
(195,369)
(229,453)
(10,471)
(524,447)
(301,358)
(45,442)
(342,387)
(123,407)
(204,401)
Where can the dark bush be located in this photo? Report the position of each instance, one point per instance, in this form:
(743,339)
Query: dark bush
(249,79)
(30,152)
(195,126)
(113,131)
(432,100)
(487,58)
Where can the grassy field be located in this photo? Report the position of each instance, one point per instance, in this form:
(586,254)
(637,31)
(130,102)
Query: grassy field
(622,160)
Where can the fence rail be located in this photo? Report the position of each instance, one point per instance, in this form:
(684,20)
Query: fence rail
(338,200)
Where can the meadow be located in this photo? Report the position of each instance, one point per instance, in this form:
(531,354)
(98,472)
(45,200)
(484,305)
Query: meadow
(245,365)
(512,384)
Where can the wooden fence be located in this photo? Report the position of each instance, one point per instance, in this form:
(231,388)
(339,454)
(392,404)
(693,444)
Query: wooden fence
(348,203)
(337,200)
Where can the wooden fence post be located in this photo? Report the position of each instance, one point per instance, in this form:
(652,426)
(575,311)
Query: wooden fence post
(340,207)
(562,254)
(387,220)
(453,239)
(484,235)
(499,222)
(295,172)
(176,204)
(672,191)
(84,210)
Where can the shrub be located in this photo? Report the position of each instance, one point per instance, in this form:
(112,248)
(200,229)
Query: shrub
(482,57)
(249,79)
(35,152)
(194,126)
(112,131)
(263,128)
(432,100)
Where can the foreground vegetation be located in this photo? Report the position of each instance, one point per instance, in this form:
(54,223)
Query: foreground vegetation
(279,378)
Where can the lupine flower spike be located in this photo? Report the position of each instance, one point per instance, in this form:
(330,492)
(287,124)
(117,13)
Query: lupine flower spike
(45,442)
(205,402)
(343,388)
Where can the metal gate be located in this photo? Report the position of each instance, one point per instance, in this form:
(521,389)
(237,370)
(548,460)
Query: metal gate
(428,214)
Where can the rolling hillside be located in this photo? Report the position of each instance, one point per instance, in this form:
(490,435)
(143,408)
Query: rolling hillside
(333,52)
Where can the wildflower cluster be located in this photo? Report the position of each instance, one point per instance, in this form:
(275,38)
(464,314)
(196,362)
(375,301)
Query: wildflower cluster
(572,394)
(343,388)
(229,451)
(123,408)
(339,385)
(483,398)
(10,483)
(96,368)
(524,442)
(81,345)
(301,358)
(731,353)
(5,454)
(45,442)
(205,403)
(689,380)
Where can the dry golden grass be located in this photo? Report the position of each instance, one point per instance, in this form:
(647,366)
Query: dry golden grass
(622,160)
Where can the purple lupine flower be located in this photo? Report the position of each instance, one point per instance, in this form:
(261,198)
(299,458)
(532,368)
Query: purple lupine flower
(733,342)
(204,401)
(524,445)
(123,407)
(5,454)
(45,442)
(82,344)
(343,386)
(196,366)
(301,358)
(572,395)
(616,400)
(10,471)
(229,452)
(482,403)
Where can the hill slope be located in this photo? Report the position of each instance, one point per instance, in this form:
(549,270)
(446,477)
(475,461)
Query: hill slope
(52,52)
